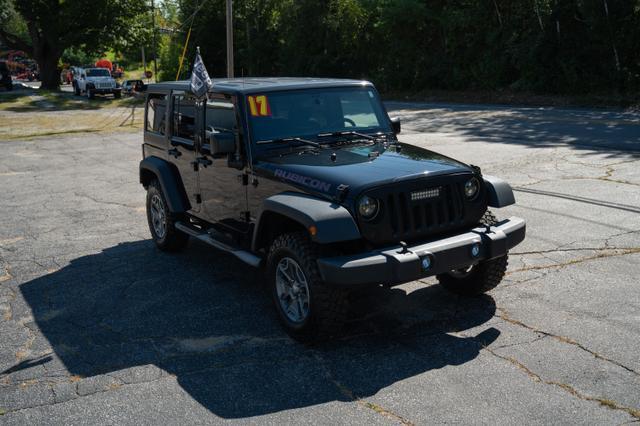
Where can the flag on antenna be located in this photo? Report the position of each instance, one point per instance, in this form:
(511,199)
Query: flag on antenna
(200,81)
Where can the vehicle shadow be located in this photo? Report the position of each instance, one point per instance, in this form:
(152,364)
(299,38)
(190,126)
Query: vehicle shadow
(592,131)
(201,316)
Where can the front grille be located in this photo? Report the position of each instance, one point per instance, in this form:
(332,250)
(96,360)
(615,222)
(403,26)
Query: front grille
(104,85)
(409,217)
(419,209)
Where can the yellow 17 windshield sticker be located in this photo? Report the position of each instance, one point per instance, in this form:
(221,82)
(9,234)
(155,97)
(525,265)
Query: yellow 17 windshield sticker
(259,106)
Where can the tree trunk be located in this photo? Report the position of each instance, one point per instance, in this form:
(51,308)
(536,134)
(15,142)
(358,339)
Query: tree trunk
(49,74)
(46,52)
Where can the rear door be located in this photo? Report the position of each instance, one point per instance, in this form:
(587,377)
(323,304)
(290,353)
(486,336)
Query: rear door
(182,144)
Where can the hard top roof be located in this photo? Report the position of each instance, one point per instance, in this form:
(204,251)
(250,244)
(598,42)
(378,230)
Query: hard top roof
(261,84)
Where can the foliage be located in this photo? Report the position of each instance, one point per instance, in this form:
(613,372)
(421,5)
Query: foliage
(75,56)
(547,46)
(55,25)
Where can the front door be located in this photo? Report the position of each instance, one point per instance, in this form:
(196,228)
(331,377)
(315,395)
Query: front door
(182,147)
(223,188)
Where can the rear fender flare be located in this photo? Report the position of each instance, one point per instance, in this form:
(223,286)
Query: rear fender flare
(170,182)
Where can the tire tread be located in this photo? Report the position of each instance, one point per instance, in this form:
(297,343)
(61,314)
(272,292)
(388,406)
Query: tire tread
(486,275)
(329,305)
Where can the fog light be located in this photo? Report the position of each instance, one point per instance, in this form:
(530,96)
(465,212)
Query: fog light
(475,250)
(426,263)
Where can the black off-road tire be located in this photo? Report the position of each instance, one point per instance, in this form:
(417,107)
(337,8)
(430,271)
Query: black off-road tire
(117,95)
(173,239)
(90,94)
(483,277)
(328,306)
(76,90)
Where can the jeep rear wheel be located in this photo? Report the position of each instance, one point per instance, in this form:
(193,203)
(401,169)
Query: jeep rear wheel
(306,306)
(480,278)
(161,221)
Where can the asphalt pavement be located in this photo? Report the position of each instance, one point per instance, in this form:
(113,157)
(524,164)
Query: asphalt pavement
(99,327)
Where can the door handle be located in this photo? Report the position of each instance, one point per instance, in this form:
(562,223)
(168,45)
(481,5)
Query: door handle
(201,161)
(174,152)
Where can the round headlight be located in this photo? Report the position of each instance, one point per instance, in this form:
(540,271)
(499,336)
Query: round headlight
(471,187)
(368,207)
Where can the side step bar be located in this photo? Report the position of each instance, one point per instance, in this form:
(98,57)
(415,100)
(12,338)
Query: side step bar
(243,255)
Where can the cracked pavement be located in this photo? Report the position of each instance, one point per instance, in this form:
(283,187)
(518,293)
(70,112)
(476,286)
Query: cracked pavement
(99,327)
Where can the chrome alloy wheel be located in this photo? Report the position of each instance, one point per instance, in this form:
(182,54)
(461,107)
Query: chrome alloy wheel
(292,290)
(158,216)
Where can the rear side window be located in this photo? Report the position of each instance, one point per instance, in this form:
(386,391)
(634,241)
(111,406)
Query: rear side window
(156,106)
(184,123)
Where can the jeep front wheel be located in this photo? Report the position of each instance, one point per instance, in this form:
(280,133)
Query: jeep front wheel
(161,221)
(476,279)
(306,306)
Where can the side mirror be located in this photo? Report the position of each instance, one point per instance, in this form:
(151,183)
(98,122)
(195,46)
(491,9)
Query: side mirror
(222,143)
(395,125)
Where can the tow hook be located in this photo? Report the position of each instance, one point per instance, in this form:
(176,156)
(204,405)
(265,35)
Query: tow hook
(403,248)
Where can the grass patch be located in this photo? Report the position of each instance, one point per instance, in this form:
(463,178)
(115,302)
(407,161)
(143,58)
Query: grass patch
(133,74)
(44,100)
(3,411)
(27,125)
(35,113)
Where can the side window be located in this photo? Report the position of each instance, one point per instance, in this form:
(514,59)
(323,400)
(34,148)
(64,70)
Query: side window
(184,123)
(156,106)
(220,116)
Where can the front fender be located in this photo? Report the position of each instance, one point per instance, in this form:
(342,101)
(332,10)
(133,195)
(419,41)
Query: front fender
(499,192)
(333,222)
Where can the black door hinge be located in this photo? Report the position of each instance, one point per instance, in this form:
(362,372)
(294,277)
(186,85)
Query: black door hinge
(198,198)
(245,179)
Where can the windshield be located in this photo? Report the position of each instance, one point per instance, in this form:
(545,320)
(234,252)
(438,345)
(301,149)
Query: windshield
(307,113)
(98,72)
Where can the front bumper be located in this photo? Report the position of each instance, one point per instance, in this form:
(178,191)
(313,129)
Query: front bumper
(106,91)
(395,265)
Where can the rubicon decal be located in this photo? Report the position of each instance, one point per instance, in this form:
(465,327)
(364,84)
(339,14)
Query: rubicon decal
(303,180)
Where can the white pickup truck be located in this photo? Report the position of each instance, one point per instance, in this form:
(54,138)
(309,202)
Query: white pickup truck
(95,81)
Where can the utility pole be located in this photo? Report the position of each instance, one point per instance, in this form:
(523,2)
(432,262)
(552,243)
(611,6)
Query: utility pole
(144,61)
(155,58)
(229,39)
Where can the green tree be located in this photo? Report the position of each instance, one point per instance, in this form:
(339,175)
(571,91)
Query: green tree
(549,46)
(55,25)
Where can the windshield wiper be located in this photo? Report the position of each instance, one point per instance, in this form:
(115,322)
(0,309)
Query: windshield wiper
(351,133)
(346,133)
(285,140)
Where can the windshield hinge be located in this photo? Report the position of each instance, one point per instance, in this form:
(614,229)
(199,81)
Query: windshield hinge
(341,192)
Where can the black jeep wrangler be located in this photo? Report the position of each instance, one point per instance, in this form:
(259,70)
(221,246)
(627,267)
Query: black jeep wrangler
(306,179)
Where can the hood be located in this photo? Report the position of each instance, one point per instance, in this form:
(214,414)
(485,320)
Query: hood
(358,167)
